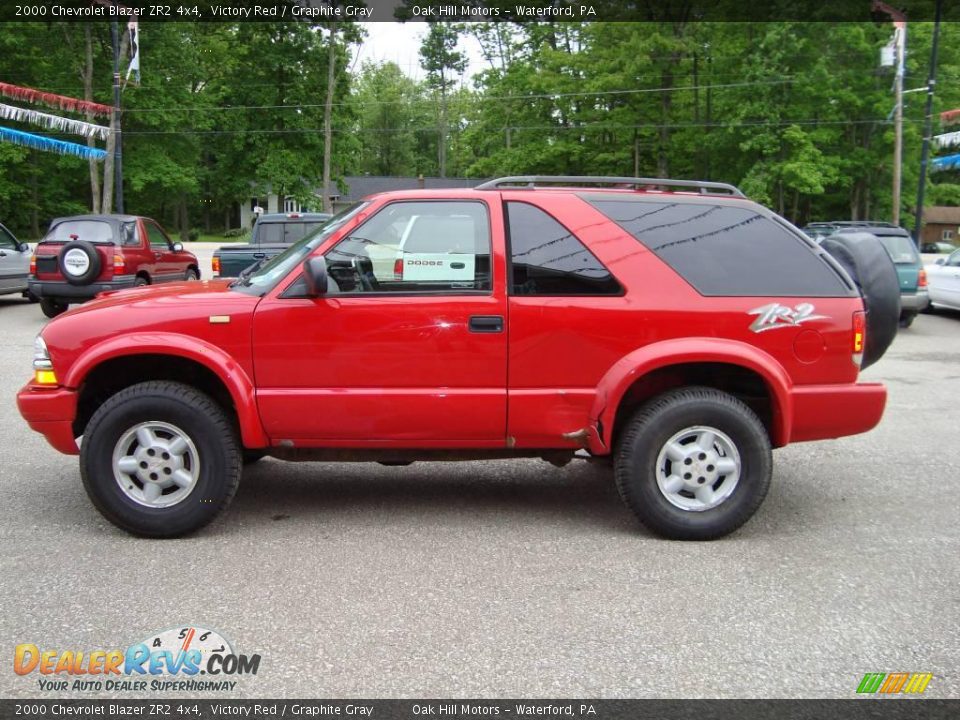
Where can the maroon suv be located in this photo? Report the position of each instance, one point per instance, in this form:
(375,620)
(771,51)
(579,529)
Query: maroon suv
(85,255)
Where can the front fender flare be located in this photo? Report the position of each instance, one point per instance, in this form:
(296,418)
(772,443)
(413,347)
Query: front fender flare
(622,374)
(225,367)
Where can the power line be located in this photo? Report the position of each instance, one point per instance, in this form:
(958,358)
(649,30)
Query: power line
(481,98)
(553,128)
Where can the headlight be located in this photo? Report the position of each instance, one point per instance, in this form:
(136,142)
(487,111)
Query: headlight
(41,356)
(42,365)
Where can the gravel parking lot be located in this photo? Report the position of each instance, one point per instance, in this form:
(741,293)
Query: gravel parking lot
(516,578)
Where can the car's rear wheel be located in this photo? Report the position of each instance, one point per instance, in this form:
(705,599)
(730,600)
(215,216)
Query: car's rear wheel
(693,464)
(191,275)
(140,281)
(160,459)
(51,308)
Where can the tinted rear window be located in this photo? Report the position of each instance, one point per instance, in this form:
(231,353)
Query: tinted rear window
(725,250)
(89,230)
(286,232)
(900,249)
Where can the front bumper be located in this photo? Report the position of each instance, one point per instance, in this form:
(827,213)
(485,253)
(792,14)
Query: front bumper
(62,290)
(914,302)
(50,412)
(822,412)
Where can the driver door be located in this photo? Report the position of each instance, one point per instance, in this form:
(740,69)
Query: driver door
(380,361)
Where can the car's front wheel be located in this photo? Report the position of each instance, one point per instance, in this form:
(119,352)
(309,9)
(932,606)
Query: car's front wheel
(693,464)
(160,459)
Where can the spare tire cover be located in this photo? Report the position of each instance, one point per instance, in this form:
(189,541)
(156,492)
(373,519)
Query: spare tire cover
(869,265)
(79,262)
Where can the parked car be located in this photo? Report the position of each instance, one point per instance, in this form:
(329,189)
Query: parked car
(944,282)
(272,234)
(903,252)
(673,327)
(936,248)
(14,264)
(84,255)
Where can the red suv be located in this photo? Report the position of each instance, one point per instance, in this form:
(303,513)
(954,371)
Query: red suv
(672,327)
(85,255)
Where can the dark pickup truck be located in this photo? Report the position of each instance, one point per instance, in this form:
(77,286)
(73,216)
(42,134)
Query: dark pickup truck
(272,234)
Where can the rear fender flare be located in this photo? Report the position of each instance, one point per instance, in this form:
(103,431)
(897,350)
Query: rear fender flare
(625,372)
(228,370)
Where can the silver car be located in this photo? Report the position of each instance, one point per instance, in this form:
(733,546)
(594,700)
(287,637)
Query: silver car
(14,263)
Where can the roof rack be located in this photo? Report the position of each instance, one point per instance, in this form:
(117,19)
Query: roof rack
(530,182)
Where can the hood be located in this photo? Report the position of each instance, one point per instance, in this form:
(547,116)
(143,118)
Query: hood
(206,293)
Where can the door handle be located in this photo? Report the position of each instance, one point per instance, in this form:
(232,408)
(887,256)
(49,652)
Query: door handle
(486,323)
(258,256)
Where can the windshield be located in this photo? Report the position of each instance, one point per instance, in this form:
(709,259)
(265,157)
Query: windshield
(278,267)
(900,249)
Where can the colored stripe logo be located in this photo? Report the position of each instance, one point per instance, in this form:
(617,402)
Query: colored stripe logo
(892,683)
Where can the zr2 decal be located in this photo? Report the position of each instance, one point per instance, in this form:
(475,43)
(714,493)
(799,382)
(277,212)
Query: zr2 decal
(775,315)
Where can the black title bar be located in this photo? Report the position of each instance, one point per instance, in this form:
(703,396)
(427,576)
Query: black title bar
(320,11)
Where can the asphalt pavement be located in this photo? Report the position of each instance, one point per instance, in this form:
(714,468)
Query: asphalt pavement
(501,579)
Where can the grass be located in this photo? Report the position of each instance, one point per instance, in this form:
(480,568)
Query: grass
(221,240)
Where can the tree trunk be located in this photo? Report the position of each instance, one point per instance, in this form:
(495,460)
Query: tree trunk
(184,219)
(88,96)
(34,196)
(328,117)
(442,145)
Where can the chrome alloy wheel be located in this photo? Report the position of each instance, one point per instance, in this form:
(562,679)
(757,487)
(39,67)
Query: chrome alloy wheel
(698,468)
(156,464)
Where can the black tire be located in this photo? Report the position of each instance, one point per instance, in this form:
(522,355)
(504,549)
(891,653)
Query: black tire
(191,274)
(647,433)
(31,298)
(140,282)
(906,320)
(928,309)
(51,308)
(200,419)
(83,253)
(252,456)
(869,265)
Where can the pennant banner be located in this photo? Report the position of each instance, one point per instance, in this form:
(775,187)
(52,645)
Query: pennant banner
(947,162)
(134,66)
(950,116)
(39,142)
(53,122)
(51,100)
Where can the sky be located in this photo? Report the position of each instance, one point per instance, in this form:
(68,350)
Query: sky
(400,43)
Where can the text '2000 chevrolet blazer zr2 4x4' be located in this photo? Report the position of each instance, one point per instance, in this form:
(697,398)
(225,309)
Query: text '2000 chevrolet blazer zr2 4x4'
(672,326)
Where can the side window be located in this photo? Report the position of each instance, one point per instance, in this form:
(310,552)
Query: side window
(128,235)
(954,259)
(547,259)
(416,247)
(6,240)
(724,250)
(158,241)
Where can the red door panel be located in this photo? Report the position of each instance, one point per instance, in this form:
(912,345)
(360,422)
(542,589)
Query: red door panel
(381,371)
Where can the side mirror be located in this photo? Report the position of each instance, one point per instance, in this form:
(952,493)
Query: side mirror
(315,275)
(940,261)
(178,247)
(24,247)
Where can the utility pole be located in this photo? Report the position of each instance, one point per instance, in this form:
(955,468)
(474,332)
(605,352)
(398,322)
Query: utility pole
(900,47)
(117,145)
(927,126)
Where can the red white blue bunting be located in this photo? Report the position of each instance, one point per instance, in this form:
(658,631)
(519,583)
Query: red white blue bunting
(53,122)
(39,142)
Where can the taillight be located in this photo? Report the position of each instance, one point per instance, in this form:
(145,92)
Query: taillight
(922,278)
(859,336)
(119,265)
(216,264)
(33,264)
(398,269)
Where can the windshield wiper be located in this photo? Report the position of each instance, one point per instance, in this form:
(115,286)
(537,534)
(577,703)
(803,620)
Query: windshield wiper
(243,280)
